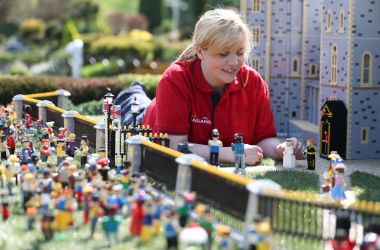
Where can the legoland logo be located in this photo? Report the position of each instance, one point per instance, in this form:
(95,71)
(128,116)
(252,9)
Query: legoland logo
(203,120)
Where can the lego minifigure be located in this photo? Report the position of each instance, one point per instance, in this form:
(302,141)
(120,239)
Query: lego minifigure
(310,154)
(71,145)
(205,221)
(47,226)
(289,160)
(171,229)
(60,151)
(3,148)
(342,239)
(96,211)
(137,213)
(62,133)
(5,212)
(110,224)
(146,230)
(14,166)
(239,154)
(83,150)
(11,142)
(66,205)
(45,150)
(9,173)
(184,206)
(337,193)
(214,145)
(104,168)
(225,241)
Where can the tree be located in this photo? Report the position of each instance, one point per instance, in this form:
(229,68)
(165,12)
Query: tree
(152,9)
(5,6)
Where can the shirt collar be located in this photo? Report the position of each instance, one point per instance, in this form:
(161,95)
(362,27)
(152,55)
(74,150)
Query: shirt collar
(203,86)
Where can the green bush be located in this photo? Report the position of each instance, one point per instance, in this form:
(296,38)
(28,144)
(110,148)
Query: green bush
(93,107)
(9,28)
(33,29)
(106,68)
(150,81)
(136,44)
(12,85)
(6,57)
(19,70)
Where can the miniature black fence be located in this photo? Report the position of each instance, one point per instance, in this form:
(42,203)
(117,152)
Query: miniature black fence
(159,166)
(315,220)
(219,192)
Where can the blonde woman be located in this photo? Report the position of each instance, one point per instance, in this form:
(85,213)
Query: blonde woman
(210,86)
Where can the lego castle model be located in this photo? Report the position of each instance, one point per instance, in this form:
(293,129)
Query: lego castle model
(321,60)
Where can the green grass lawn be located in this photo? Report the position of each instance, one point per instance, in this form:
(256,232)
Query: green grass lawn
(292,179)
(365,186)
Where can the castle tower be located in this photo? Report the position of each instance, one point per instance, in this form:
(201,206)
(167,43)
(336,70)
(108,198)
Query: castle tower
(350,62)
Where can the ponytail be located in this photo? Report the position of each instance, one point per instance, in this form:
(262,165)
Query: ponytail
(187,54)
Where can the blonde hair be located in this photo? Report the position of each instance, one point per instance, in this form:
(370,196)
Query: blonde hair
(218,30)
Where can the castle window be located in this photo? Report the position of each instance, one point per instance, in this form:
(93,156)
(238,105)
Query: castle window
(255,63)
(341,22)
(295,71)
(334,64)
(256,34)
(329,21)
(366,70)
(313,70)
(256,5)
(364,135)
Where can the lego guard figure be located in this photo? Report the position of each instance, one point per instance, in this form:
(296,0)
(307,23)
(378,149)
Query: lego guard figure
(310,154)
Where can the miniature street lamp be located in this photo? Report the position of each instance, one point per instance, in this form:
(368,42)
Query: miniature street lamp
(107,103)
(135,106)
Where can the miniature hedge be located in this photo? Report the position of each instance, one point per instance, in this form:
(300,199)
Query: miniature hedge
(82,90)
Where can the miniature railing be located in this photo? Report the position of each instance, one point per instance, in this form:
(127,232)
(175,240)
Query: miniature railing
(291,213)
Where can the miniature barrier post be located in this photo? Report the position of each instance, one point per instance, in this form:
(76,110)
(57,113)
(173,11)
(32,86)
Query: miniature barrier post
(63,97)
(183,182)
(255,188)
(42,109)
(68,120)
(134,151)
(100,136)
(19,101)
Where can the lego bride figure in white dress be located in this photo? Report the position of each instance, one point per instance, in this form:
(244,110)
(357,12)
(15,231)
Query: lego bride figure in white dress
(289,160)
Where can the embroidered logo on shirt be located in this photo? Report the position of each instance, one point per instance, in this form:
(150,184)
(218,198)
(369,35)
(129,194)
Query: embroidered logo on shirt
(203,120)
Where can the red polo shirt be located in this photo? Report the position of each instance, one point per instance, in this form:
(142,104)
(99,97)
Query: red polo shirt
(183,105)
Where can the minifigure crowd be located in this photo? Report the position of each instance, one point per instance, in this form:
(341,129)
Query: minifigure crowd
(58,179)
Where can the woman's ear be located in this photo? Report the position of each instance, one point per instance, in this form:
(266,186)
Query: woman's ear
(199,52)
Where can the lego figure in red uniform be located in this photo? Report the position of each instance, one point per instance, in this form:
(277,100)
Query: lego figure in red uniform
(137,213)
(11,142)
(45,150)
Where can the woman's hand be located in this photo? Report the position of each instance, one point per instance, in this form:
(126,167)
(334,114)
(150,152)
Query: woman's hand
(297,147)
(253,154)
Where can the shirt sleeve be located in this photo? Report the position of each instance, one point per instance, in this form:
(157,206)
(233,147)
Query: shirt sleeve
(264,127)
(173,106)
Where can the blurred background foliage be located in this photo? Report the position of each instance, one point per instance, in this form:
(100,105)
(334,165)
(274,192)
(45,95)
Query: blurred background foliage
(121,37)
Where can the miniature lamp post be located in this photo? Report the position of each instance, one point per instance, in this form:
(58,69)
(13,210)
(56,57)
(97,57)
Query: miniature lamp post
(135,111)
(116,117)
(107,103)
